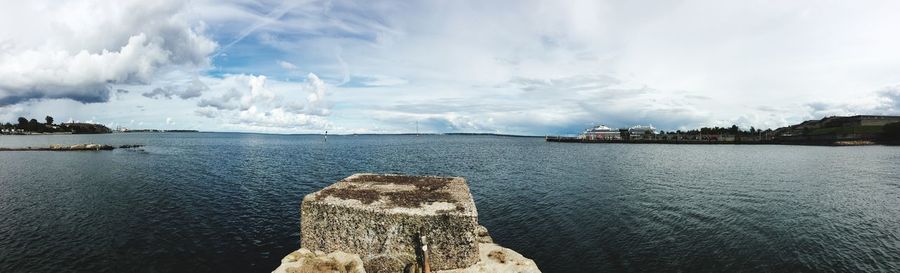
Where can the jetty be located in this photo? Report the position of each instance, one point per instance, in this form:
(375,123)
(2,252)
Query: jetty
(75,147)
(396,223)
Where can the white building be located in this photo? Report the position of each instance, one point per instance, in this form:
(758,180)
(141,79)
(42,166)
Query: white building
(600,132)
(639,131)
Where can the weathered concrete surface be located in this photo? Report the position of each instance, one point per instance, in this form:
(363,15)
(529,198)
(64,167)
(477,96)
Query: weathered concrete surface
(493,259)
(497,259)
(380,217)
(305,261)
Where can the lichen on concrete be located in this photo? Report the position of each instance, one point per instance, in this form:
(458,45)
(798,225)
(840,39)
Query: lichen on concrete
(497,259)
(396,190)
(379,217)
(306,261)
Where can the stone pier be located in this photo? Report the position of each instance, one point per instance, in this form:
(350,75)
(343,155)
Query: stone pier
(378,219)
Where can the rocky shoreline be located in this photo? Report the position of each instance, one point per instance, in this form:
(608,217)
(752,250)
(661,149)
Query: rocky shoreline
(75,147)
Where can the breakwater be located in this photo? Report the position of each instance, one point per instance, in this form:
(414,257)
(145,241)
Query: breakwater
(76,147)
(396,223)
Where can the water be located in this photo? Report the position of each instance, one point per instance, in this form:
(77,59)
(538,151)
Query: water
(209,202)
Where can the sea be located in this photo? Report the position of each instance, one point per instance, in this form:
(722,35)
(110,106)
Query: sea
(230,202)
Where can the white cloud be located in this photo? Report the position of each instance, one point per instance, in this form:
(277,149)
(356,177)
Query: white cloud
(500,66)
(250,101)
(884,102)
(74,50)
(287,65)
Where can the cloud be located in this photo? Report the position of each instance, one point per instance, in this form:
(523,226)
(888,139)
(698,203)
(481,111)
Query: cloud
(523,67)
(885,101)
(249,102)
(889,100)
(159,93)
(88,46)
(315,101)
(192,90)
(564,84)
(207,112)
(287,65)
(372,81)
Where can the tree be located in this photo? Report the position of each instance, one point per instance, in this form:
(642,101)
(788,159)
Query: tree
(34,125)
(23,122)
(49,120)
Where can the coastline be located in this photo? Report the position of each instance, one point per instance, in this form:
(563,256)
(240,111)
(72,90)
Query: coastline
(76,147)
(841,143)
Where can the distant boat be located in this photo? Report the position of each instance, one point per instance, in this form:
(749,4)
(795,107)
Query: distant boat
(600,132)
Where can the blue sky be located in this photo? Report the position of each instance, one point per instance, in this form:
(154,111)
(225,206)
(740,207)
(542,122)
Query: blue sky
(518,67)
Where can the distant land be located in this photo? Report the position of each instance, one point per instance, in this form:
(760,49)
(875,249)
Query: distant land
(488,134)
(834,131)
(154,131)
(839,130)
(25,126)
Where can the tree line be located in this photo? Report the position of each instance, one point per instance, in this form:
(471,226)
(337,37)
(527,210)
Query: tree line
(47,126)
(33,125)
(733,130)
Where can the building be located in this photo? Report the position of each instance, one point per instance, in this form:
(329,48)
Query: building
(600,132)
(642,132)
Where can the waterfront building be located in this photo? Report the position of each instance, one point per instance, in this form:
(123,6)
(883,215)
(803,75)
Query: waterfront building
(600,132)
(642,132)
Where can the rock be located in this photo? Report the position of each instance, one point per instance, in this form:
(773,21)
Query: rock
(387,264)
(482,235)
(75,147)
(497,259)
(297,255)
(130,146)
(379,216)
(305,261)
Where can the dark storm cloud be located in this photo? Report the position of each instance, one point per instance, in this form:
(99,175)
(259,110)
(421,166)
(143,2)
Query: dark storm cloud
(84,94)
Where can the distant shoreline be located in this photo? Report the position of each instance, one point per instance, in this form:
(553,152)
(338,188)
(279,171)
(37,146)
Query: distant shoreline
(839,143)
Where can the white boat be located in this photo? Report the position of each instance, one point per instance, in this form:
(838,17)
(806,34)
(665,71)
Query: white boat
(600,132)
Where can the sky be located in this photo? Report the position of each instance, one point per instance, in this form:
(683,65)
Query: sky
(511,67)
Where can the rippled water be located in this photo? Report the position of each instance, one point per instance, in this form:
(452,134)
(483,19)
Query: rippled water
(209,202)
